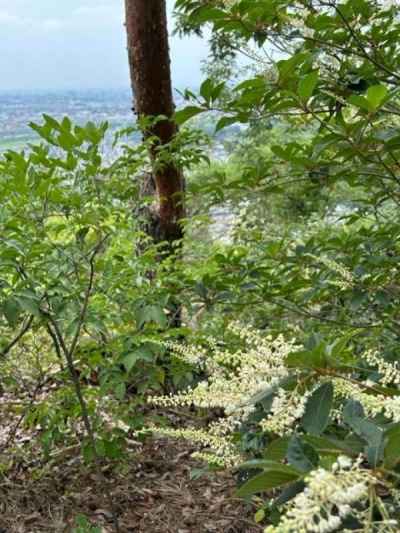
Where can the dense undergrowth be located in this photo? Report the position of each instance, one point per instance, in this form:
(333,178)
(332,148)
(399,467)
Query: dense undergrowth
(286,361)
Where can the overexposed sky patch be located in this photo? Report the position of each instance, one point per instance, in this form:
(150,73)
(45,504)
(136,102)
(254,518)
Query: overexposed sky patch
(78,44)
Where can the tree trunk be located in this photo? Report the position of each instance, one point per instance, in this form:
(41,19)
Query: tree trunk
(149,61)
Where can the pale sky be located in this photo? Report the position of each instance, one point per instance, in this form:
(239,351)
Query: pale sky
(77,44)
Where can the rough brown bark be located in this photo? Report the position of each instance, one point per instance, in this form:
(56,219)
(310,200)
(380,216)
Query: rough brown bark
(149,61)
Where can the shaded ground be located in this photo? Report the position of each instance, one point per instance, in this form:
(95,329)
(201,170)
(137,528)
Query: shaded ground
(152,494)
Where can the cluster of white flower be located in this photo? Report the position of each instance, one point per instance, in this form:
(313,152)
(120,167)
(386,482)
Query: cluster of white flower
(326,500)
(194,355)
(346,281)
(389,372)
(222,451)
(287,407)
(388,4)
(234,380)
(372,403)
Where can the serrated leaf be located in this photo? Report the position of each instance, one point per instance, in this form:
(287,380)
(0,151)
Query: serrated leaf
(318,408)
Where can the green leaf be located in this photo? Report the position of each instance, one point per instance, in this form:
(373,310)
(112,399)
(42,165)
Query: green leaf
(277,450)
(29,305)
(120,391)
(141,354)
(11,311)
(187,113)
(325,446)
(318,408)
(206,89)
(376,95)
(392,446)
(290,492)
(353,416)
(207,14)
(276,475)
(130,361)
(261,396)
(224,122)
(361,102)
(307,86)
(301,455)
(259,516)
(315,358)
(151,313)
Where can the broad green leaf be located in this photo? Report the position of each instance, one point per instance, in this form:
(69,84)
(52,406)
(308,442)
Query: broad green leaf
(326,446)
(301,455)
(224,122)
(151,313)
(315,358)
(290,492)
(140,354)
(207,14)
(29,305)
(275,476)
(130,360)
(11,311)
(187,113)
(307,86)
(353,416)
(259,516)
(376,95)
(318,408)
(361,102)
(277,450)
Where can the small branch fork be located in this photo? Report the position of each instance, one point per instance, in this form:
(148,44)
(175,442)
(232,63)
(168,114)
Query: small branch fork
(68,352)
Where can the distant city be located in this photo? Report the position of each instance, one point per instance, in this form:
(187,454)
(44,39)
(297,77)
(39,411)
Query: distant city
(18,109)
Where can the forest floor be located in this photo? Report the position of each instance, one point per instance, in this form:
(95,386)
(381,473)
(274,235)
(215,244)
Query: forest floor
(153,492)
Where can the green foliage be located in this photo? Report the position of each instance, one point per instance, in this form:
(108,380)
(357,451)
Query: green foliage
(311,252)
(313,182)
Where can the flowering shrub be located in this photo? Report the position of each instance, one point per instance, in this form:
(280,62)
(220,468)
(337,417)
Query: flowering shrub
(331,423)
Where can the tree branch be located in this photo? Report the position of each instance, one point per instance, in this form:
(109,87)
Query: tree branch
(25,328)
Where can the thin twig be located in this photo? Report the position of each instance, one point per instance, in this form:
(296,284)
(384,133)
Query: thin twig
(25,328)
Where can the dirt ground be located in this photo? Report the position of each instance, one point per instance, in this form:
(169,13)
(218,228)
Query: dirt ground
(153,493)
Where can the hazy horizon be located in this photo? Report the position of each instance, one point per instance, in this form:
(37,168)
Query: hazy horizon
(78,45)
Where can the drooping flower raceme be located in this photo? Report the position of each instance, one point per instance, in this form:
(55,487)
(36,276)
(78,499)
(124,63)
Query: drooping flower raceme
(326,500)
(234,380)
